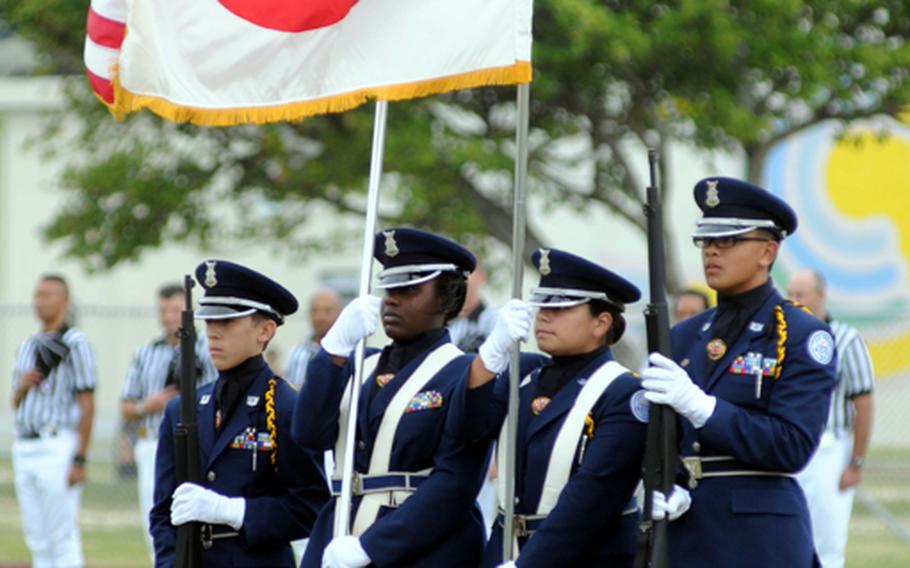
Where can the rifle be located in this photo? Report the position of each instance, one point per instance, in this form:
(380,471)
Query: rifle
(662,451)
(186,433)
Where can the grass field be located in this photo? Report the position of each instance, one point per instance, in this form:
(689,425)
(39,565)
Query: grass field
(112,531)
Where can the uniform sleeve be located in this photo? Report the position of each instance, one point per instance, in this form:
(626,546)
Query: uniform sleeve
(599,490)
(447,497)
(288,513)
(484,408)
(783,437)
(132,387)
(164,534)
(315,423)
(856,367)
(83,361)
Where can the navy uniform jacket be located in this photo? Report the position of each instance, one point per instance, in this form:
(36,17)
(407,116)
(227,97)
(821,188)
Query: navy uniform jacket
(586,528)
(280,507)
(438,525)
(755,521)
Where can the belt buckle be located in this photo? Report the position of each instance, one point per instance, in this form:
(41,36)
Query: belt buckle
(521,526)
(206,534)
(357,483)
(693,466)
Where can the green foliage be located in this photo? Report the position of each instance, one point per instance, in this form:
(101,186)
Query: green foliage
(611,77)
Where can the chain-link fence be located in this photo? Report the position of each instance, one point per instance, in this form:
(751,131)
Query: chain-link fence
(110,518)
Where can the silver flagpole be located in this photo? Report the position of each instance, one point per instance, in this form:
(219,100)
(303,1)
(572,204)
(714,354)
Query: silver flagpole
(518,246)
(343,520)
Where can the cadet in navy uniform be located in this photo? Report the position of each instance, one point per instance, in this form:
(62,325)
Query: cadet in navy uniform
(751,383)
(260,489)
(421,481)
(582,419)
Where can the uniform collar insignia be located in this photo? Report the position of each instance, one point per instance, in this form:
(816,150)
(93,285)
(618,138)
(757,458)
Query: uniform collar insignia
(712,199)
(210,280)
(252,400)
(391,247)
(756,327)
(544,262)
(205,399)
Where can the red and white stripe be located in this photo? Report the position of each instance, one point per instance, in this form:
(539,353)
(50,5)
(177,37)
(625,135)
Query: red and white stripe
(105,28)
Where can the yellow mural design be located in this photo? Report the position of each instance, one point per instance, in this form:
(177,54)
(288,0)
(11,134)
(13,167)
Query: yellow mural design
(868,176)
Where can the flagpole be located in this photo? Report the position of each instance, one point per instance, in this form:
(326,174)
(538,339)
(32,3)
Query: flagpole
(518,246)
(343,520)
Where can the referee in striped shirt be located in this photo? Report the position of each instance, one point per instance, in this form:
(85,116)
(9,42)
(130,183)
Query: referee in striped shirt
(151,382)
(53,398)
(836,468)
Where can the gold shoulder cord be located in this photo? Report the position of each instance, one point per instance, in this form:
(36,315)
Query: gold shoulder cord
(782,334)
(271,422)
(781,339)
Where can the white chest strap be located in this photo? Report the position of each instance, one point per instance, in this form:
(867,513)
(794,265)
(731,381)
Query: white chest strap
(562,456)
(369,365)
(385,437)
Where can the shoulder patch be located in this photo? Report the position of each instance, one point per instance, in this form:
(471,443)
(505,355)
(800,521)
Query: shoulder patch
(639,406)
(821,347)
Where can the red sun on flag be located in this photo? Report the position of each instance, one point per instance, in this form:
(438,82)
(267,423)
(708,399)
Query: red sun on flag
(290,15)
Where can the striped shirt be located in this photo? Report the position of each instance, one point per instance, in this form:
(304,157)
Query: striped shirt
(52,403)
(300,357)
(149,369)
(855,376)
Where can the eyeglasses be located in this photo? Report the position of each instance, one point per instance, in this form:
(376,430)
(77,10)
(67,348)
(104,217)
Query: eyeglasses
(724,242)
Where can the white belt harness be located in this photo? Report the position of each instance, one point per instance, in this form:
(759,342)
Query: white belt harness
(370,503)
(562,455)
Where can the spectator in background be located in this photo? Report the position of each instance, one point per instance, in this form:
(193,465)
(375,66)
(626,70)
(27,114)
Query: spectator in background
(836,468)
(325,305)
(476,320)
(53,399)
(151,381)
(688,303)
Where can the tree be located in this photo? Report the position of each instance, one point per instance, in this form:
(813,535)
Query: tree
(610,78)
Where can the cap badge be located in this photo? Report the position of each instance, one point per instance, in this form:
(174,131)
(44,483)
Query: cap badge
(544,262)
(210,280)
(391,247)
(712,199)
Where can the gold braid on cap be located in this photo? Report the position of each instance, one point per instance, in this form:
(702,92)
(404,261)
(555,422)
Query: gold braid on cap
(271,422)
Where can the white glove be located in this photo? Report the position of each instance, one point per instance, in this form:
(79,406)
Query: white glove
(509,564)
(194,503)
(345,552)
(668,383)
(674,508)
(513,322)
(356,321)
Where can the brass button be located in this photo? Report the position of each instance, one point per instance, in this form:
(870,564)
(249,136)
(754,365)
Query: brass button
(696,446)
(211,476)
(361,445)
